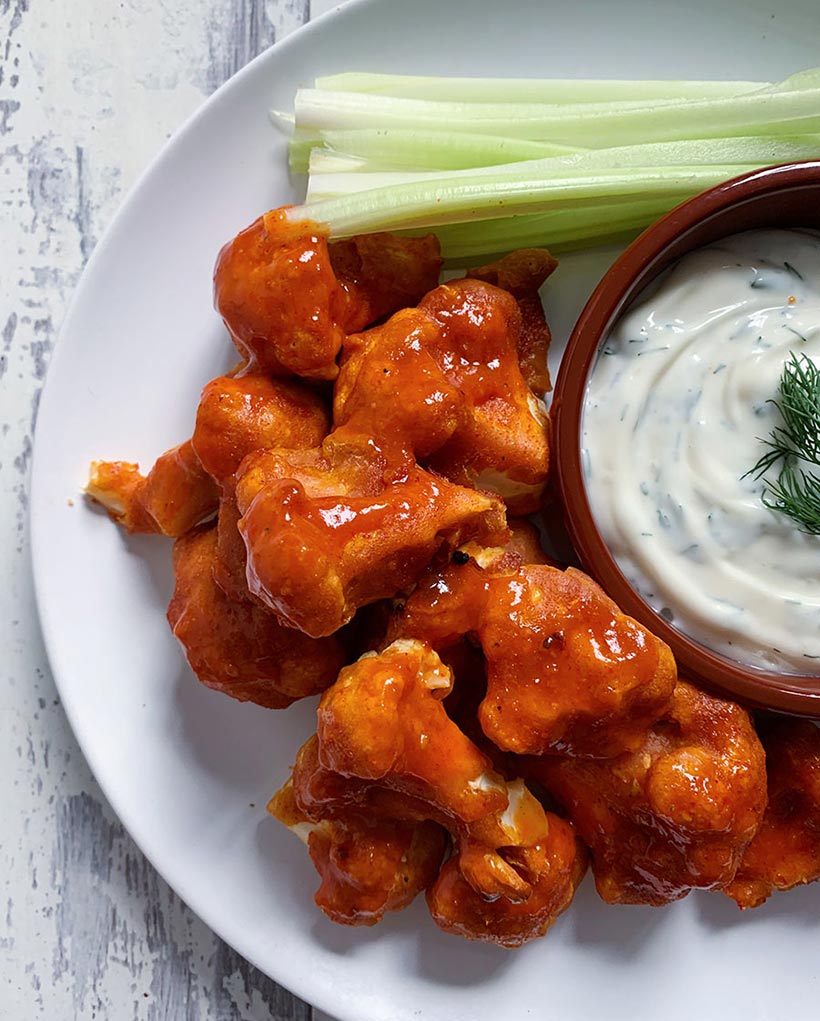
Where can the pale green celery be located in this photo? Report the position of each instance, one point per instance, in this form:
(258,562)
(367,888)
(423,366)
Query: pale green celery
(423,150)
(328,161)
(317,110)
(455,199)
(787,109)
(299,150)
(573,243)
(550,229)
(527,90)
(808,79)
(473,166)
(330,176)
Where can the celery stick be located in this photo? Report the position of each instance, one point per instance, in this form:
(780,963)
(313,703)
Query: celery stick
(330,176)
(455,199)
(608,239)
(572,244)
(782,110)
(620,238)
(808,79)
(560,226)
(497,164)
(527,90)
(423,150)
(317,110)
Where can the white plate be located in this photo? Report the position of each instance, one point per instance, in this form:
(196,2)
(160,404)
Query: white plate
(188,770)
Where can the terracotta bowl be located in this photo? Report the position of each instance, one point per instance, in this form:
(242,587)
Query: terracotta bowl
(782,196)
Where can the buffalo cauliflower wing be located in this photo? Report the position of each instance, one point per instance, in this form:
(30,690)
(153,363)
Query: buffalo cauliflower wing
(676,813)
(288,297)
(385,749)
(332,529)
(566,670)
(443,381)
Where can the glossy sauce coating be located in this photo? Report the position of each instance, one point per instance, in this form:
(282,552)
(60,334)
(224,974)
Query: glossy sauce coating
(675,814)
(367,866)
(522,273)
(368,869)
(237,415)
(240,648)
(243,413)
(391,387)
(786,849)
(458,909)
(383,722)
(330,530)
(172,498)
(443,381)
(279,298)
(566,670)
(386,750)
(287,297)
(502,440)
(465,658)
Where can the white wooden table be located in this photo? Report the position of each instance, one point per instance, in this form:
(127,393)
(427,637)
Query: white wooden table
(89,91)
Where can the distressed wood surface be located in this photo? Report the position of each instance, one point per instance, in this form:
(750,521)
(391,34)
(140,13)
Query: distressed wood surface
(89,91)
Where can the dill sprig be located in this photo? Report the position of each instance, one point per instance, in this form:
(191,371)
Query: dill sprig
(795,492)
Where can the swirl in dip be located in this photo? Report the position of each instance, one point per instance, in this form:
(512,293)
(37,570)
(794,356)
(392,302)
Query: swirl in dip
(677,404)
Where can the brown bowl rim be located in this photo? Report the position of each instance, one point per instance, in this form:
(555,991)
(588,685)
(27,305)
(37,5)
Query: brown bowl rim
(636,267)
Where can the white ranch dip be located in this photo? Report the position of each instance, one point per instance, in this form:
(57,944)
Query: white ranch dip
(676,407)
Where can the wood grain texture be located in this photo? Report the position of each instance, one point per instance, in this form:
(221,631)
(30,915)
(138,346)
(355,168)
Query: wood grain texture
(88,93)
